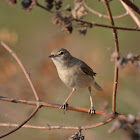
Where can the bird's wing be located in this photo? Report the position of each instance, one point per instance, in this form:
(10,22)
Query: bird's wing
(86,69)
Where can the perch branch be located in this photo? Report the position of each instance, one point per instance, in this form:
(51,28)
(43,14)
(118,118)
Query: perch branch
(117,50)
(45,104)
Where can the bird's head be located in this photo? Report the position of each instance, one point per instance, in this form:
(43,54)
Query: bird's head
(60,55)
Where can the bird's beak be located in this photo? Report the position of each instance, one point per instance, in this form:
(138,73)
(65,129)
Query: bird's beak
(52,56)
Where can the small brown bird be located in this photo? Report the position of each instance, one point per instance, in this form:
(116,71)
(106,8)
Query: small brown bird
(74,73)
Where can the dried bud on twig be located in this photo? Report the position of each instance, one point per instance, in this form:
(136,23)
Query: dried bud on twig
(58,4)
(49,4)
(76,136)
(131,124)
(83,31)
(122,61)
(67,8)
(63,21)
(115,56)
(28,4)
(78,11)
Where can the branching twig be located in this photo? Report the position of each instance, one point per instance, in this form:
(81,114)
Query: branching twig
(49,127)
(131,13)
(132,6)
(22,67)
(31,85)
(95,24)
(117,50)
(103,15)
(45,8)
(106,26)
(45,104)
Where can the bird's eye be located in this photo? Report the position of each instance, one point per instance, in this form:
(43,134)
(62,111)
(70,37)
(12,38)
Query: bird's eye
(61,53)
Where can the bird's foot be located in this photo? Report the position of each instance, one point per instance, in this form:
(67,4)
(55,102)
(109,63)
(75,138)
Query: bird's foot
(91,110)
(64,106)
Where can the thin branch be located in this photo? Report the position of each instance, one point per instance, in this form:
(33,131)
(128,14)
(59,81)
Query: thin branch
(97,125)
(45,8)
(92,24)
(96,24)
(22,67)
(131,13)
(31,85)
(49,127)
(103,15)
(132,6)
(117,50)
(24,122)
(45,104)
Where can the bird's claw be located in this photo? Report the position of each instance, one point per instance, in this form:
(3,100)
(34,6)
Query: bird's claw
(64,106)
(91,111)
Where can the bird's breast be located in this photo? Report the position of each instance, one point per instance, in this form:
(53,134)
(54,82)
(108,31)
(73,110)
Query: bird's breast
(74,77)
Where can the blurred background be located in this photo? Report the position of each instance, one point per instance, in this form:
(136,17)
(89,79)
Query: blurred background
(33,36)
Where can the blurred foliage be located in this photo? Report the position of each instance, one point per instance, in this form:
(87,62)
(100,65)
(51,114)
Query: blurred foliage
(33,36)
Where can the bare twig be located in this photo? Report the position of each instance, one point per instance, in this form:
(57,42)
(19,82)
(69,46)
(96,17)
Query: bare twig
(96,24)
(131,13)
(132,6)
(32,87)
(106,26)
(45,8)
(49,127)
(117,50)
(103,15)
(45,104)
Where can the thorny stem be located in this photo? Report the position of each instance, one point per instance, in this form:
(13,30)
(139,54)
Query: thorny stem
(117,50)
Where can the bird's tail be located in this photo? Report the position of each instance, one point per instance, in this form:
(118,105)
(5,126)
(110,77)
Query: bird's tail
(97,87)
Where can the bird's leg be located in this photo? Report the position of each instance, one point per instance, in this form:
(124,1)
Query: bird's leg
(65,105)
(91,110)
